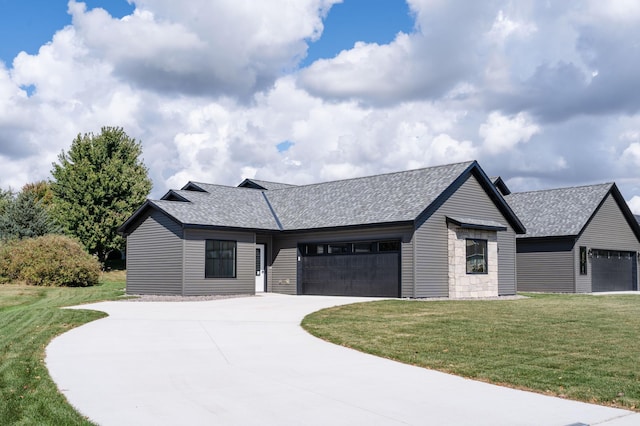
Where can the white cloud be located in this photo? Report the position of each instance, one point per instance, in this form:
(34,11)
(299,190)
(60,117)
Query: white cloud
(632,153)
(210,88)
(502,132)
(504,27)
(226,47)
(634,204)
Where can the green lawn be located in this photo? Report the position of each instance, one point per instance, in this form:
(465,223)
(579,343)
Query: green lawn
(576,346)
(29,318)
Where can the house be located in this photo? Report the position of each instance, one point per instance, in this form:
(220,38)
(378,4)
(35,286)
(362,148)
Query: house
(578,240)
(436,232)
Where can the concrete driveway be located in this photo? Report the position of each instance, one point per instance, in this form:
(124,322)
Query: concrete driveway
(246,361)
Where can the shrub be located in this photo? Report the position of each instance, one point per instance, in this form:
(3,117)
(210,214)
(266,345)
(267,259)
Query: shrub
(50,260)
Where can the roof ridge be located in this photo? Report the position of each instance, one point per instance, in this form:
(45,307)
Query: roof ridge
(610,184)
(207,183)
(376,175)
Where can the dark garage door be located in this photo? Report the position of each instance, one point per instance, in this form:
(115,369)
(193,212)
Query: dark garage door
(613,270)
(351,269)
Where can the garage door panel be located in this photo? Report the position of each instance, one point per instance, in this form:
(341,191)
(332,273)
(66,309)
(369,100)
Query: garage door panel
(613,270)
(376,274)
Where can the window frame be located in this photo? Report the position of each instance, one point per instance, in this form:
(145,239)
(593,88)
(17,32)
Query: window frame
(485,256)
(583,260)
(211,275)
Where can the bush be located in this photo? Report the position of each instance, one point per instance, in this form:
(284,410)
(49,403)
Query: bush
(50,260)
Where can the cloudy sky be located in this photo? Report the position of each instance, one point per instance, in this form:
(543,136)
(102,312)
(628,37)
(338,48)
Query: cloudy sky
(543,93)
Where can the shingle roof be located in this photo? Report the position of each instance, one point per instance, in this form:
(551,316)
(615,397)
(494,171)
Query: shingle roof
(394,197)
(270,186)
(221,206)
(557,212)
(388,198)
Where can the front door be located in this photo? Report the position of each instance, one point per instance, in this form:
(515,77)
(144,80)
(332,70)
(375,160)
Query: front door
(260,268)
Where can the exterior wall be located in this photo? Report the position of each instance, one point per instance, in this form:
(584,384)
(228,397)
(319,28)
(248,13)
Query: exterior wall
(462,284)
(154,256)
(547,271)
(284,260)
(284,266)
(608,230)
(431,242)
(507,270)
(196,284)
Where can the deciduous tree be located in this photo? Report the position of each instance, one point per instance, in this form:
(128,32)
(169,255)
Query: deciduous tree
(97,185)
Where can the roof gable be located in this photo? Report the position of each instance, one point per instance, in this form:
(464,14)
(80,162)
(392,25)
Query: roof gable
(558,212)
(263,185)
(387,198)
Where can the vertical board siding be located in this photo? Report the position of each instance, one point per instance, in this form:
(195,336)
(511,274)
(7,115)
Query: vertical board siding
(608,230)
(432,258)
(548,271)
(195,283)
(284,272)
(154,256)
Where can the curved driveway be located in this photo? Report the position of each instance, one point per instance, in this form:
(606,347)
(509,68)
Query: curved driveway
(246,361)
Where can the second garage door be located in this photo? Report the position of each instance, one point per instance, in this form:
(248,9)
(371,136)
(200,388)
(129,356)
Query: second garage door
(613,270)
(369,269)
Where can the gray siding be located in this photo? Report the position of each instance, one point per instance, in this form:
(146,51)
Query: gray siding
(507,264)
(195,282)
(284,271)
(608,230)
(284,261)
(548,271)
(432,262)
(154,256)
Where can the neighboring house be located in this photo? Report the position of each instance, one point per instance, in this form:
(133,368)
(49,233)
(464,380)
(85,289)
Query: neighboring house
(436,232)
(581,239)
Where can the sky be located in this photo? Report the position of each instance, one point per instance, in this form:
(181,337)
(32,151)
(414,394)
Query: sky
(545,94)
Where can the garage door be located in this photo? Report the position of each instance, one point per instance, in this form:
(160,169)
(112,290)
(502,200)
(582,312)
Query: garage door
(351,269)
(613,270)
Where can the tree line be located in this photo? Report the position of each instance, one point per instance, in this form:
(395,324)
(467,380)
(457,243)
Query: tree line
(94,187)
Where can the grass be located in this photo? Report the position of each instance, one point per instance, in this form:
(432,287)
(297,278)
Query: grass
(29,318)
(579,347)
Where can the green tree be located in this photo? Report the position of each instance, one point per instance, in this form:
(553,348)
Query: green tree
(6,197)
(97,185)
(42,191)
(25,217)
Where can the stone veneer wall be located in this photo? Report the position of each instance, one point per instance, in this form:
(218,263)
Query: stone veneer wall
(461,284)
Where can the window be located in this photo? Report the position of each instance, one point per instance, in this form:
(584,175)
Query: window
(363,247)
(338,248)
(476,256)
(220,259)
(349,248)
(311,249)
(389,246)
(583,260)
